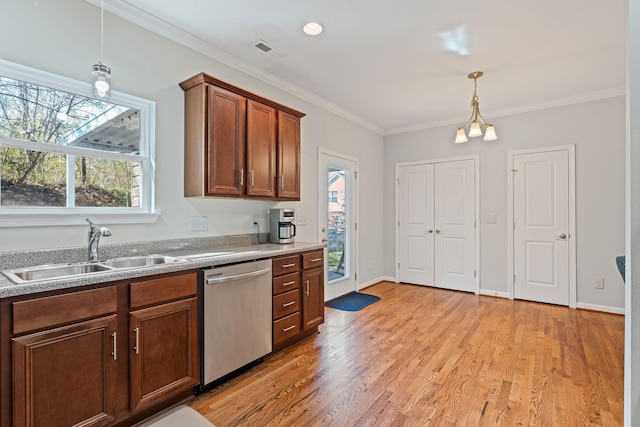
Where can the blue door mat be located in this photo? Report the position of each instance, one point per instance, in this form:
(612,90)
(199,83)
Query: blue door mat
(353,301)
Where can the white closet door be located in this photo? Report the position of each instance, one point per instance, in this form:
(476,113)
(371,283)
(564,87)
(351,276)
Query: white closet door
(455,225)
(415,228)
(541,231)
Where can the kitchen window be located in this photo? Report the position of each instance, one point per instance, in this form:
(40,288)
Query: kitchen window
(65,155)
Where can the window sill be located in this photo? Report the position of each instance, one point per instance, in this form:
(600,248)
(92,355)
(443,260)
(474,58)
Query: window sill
(30,219)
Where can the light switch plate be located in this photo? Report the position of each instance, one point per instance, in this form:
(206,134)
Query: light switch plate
(492,218)
(301,220)
(598,282)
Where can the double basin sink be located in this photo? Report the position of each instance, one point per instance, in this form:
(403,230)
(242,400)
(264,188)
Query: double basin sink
(63,271)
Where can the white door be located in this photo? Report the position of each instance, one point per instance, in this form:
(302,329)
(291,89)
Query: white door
(415,228)
(455,225)
(436,224)
(337,221)
(541,226)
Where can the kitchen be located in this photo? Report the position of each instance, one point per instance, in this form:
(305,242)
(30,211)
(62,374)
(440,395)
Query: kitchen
(151,67)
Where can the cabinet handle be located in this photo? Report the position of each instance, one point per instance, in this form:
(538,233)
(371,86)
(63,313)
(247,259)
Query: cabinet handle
(288,265)
(136,332)
(289,283)
(241,177)
(115,345)
(287,329)
(252,181)
(307,291)
(316,259)
(282,181)
(287,304)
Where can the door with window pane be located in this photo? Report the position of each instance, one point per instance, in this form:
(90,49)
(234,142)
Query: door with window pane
(337,221)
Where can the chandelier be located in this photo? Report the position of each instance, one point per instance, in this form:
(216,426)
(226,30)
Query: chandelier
(476,123)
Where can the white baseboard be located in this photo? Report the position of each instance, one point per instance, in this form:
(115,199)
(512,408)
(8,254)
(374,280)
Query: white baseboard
(374,281)
(491,293)
(603,308)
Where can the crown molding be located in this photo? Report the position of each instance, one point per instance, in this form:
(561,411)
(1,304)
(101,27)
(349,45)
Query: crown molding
(552,103)
(126,10)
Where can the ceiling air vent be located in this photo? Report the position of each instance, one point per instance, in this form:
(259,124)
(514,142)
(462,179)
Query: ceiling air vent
(263,46)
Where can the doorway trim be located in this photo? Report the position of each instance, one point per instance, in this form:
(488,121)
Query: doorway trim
(476,159)
(353,247)
(571,149)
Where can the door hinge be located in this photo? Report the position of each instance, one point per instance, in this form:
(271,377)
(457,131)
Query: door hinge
(514,225)
(398,266)
(398,223)
(514,278)
(356,277)
(356,226)
(474,273)
(398,181)
(355,174)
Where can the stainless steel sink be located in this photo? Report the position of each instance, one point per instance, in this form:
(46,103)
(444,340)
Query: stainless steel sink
(57,271)
(141,261)
(64,271)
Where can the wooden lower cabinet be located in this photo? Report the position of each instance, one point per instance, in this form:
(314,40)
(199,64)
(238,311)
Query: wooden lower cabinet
(66,376)
(298,297)
(164,357)
(98,357)
(312,298)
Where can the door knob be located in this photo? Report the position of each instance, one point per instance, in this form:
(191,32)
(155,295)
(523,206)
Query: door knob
(430,230)
(437,231)
(562,236)
(324,240)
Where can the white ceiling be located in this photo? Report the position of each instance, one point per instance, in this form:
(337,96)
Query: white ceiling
(383,63)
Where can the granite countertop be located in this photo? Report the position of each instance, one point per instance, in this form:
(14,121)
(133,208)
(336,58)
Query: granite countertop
(196,258)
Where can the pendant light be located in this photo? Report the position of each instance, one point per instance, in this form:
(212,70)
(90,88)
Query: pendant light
(476,123)
(100,73)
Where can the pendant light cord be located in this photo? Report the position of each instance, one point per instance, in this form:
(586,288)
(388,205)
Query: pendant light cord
(101,29)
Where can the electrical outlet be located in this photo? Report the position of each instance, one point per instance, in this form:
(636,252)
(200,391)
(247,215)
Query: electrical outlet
(598,282)
(254,221)
(199,223)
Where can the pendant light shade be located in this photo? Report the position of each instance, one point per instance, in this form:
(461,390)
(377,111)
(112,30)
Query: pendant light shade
(101,80)
(476,123)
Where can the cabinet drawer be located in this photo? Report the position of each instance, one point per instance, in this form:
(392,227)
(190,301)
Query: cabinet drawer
(286,303)
(284,265)
(286,283)
(60,309)
(286,327)
(313,259)
(164,289)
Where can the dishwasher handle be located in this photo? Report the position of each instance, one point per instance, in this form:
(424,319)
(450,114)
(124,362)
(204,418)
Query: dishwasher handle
(220,278)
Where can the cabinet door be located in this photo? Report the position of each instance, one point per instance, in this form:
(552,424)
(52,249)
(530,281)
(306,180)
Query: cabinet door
(288,156)
(226,128)
(261,149)
(66,376)
(312,298)
(164,351)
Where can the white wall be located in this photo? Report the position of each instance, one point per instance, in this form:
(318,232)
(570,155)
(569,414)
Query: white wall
(596,128)
(632,297)
(63,37)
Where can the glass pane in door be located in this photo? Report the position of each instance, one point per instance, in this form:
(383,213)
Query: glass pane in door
(338,230)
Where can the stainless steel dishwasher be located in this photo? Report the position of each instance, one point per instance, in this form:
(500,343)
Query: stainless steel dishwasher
(237,326)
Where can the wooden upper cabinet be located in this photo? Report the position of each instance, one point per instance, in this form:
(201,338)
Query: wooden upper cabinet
(239,144)
(288,156)
(226,142)
(261,149)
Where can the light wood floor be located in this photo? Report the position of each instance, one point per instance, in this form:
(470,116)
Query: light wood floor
(428,357)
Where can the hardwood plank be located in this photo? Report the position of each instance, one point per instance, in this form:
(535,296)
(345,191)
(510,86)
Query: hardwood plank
(425,356)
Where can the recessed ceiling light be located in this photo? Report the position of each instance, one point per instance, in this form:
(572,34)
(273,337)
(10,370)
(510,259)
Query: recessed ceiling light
(312,28)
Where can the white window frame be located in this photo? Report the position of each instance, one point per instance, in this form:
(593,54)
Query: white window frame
(33,216)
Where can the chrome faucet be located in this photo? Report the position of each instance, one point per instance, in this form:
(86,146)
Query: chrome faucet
(93,239)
